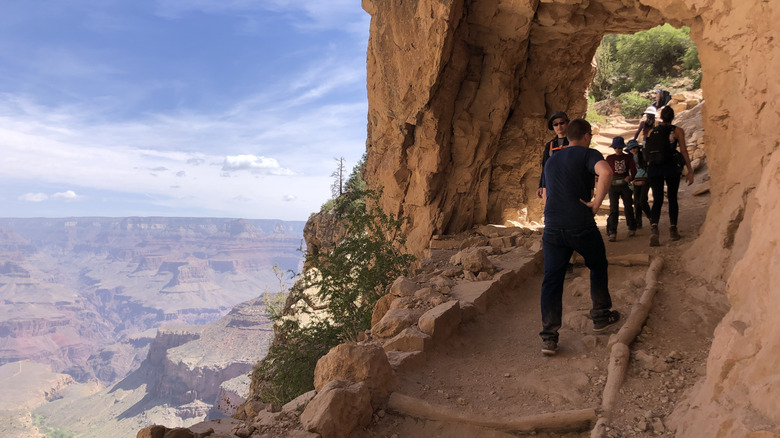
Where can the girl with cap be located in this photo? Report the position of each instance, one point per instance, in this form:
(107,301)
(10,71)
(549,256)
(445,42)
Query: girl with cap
(623,172)
(647,123)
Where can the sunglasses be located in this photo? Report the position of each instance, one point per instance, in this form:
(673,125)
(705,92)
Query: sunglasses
(560,123)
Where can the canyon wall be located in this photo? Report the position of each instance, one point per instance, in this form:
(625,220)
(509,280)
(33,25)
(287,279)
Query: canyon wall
(459,94)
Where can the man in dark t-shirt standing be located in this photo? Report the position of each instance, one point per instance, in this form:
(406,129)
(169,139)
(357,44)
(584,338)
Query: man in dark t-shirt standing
(569,225)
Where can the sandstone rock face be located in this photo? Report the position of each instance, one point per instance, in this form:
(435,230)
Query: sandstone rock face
(322,231)
(459,92)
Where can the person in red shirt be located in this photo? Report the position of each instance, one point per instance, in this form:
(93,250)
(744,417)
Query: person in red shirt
(623,172)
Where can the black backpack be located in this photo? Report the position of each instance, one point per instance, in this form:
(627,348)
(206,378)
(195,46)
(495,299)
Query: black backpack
(658,147)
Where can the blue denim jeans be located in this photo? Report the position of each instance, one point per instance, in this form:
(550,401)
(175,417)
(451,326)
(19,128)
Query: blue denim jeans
(558,245)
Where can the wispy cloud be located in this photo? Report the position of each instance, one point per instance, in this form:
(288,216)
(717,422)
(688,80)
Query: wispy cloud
(66,196)
(305,14)
(34,197)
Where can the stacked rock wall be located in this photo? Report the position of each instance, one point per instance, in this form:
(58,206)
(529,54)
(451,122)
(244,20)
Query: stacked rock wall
(459,92)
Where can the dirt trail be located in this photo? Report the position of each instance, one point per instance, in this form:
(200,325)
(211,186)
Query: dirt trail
(493,367)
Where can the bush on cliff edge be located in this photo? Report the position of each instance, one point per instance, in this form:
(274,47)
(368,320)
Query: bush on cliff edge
(349,280)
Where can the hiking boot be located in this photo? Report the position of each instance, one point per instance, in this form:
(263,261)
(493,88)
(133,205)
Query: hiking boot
(605,323)
(654,235)
(549,347)
(639,225)
(631,233)
(612,237)
(673,234)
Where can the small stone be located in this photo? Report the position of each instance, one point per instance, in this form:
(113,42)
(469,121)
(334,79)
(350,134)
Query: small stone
(462,401)
(658,425)
(507,375)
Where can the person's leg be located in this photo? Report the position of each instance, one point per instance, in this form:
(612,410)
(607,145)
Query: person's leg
(590,245)
(637,204)
(614,211)
(628,208)
(556,257)
(657,187)
(644,203)
(672,187)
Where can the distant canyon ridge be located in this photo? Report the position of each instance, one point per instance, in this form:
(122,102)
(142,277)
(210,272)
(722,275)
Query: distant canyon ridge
(86,295)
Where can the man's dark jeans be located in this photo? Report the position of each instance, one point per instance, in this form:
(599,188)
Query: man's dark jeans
(616,193)
(558,245)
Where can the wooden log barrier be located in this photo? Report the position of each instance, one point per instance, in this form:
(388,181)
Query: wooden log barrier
(563,421)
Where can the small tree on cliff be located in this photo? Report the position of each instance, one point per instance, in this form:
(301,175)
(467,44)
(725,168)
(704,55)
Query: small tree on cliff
(339,179)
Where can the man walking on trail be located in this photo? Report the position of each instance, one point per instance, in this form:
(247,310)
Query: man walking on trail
(569,225)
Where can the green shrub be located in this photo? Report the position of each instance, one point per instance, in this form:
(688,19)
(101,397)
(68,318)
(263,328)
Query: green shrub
(645,58)
(642,60)
(349,279)
(287,370)
(356,273)
(591,115)
(632,105)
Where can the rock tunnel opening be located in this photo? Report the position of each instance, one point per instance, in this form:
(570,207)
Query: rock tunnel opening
(619,81)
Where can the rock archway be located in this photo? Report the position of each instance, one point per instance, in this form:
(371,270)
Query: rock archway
(459,91)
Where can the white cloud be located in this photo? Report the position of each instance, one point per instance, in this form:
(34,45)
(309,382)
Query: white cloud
(34,197)
(68,196)
(289,198)
(254,164)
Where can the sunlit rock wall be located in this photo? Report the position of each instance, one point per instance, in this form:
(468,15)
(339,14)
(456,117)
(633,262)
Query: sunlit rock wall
(459,92)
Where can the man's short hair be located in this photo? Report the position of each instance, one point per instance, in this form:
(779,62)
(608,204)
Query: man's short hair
(667,114)
(577,129)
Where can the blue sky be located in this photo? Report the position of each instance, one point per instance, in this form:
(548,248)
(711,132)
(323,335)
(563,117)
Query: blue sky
(205,108)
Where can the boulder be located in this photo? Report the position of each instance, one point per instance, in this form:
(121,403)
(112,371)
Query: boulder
(441,321)
(403,287)
(357,363)
(473,260)
(394,321)
(338,408)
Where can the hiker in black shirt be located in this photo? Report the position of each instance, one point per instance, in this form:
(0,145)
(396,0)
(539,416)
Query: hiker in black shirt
(558,123)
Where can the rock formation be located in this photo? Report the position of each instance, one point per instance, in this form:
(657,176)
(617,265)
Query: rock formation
(459,92)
